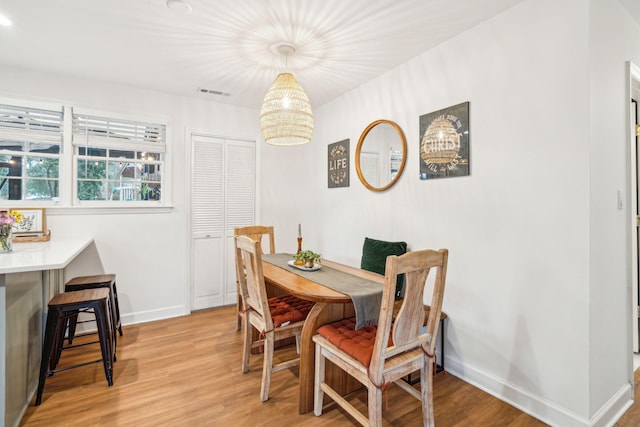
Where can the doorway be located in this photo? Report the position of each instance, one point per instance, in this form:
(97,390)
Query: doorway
(634,141)
(635,136)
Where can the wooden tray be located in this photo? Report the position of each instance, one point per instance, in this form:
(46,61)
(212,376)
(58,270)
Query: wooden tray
(44,238)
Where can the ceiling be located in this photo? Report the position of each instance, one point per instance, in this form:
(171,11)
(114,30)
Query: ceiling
(229,46)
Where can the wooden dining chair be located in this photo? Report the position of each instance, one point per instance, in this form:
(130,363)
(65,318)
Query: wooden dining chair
(256,232)
(380,355)
(274,318)
(374,258)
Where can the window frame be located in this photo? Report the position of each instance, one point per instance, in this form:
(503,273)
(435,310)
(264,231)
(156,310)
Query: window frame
(67,167)
(35,106)
(165,176)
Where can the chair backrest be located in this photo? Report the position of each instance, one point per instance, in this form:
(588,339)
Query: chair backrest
(256,232)
(406,328)
(252,287)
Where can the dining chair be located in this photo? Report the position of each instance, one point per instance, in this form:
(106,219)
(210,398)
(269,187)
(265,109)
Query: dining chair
(378,356)
(256,232)
(275,318)
(374,258)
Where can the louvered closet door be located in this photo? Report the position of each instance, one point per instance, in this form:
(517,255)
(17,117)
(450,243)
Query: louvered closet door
(223,197)
(240,203)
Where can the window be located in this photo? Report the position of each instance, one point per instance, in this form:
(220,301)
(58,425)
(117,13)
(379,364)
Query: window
(30,141)
(118,160)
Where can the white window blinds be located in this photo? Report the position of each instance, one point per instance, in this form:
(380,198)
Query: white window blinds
(23,124)
(118,134)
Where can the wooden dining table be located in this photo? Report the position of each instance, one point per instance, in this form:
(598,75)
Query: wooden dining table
(330,306)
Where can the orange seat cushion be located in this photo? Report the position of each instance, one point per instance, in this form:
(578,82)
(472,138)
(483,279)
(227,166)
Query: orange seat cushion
(357,343)
(287,308)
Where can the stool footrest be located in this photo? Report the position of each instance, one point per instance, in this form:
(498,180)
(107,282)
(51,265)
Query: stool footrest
(67,347)
(66,368)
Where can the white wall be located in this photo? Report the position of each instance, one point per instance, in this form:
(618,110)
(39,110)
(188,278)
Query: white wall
(149,252)
(522,268)
(614,39)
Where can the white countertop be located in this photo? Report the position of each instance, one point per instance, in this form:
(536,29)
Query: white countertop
(34,256)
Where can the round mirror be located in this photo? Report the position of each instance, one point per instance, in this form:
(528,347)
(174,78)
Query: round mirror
(381,155)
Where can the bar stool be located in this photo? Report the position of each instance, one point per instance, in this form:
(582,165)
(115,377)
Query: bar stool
(61,307)
(92,282)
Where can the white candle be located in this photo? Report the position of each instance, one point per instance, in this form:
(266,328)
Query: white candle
(299,230)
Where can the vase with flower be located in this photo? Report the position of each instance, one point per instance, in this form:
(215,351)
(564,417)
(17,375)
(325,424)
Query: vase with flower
(7,219)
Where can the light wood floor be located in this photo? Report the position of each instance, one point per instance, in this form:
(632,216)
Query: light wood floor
(186,372)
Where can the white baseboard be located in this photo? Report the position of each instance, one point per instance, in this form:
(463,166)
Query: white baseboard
(151,315)
(537,407)
(611,411)
(138,317)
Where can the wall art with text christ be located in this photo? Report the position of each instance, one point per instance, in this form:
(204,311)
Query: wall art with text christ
(444,142)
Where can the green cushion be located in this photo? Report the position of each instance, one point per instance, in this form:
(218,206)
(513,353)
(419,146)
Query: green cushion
(374,258)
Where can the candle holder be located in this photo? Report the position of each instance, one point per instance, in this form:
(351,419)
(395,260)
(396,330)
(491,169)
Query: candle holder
(299,244)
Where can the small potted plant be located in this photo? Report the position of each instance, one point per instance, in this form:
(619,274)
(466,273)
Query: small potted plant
(307,258)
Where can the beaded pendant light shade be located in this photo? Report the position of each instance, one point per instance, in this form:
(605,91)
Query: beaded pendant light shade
(286,117)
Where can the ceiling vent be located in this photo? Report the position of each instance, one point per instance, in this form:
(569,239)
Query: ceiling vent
(213,92)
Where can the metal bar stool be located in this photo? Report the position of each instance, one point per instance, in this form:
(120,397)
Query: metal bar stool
(93,282)
(63,306)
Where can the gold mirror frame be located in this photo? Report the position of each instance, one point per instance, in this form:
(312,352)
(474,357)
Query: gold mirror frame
(359,149)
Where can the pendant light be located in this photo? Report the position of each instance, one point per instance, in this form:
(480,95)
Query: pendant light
(286,117)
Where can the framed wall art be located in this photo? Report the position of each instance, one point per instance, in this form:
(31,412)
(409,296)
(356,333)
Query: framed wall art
(444,142)
(338,164)
(33,222)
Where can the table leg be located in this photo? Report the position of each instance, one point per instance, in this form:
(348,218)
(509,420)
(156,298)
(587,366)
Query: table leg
(320,314)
